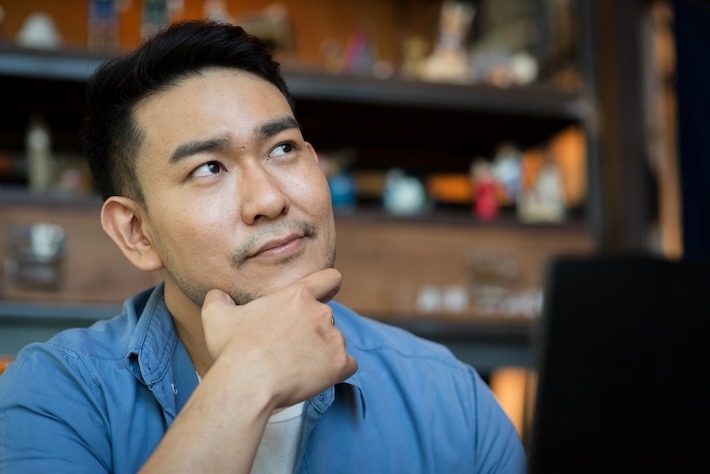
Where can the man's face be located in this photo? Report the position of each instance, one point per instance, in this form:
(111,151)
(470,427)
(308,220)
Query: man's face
(234,196)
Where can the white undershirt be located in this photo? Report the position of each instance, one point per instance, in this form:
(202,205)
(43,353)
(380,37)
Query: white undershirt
(277,450)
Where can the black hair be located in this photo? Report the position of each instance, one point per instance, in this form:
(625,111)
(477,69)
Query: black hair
(110,133)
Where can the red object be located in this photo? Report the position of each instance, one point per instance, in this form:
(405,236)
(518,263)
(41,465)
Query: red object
(486,200)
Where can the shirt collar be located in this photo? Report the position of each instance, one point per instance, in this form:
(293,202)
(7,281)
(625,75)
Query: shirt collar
(153,345)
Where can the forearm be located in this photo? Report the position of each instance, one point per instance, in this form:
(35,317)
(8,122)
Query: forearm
(277,350)
(220,427)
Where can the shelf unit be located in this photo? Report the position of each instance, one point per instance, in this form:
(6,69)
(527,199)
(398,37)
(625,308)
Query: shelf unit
(426,126)
(418,118)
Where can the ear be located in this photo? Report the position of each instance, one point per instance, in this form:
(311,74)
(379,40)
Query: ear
(121,220)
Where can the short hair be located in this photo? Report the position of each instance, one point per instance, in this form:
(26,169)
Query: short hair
(110,133)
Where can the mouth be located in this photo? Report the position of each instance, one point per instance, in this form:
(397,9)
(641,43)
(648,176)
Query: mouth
(278,247)
(269,244)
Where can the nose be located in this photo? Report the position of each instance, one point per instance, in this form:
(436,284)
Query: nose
(262,195)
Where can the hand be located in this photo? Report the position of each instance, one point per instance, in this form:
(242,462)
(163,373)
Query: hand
(287,337)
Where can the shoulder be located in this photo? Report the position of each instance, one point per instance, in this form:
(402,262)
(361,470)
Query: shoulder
(66,386)
(371,337)
(74,356)
(105,339)
(400,363)
(410,380)
(81,353)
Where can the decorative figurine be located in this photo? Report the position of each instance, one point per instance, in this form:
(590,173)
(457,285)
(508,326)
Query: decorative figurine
(414,50)
(272,24)
(36,256)
(103,25)
(39,31)
(216,10)
(449,60)
(331,53)
(403,195)
(343,191)
(360,53)
(155,14)
(38,148)
(506,169)
(486,190)
(543,200)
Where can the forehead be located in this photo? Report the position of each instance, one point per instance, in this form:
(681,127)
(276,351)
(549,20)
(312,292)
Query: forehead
(215,100)
(200,90)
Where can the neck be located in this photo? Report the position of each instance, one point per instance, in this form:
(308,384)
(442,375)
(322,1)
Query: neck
(188,325)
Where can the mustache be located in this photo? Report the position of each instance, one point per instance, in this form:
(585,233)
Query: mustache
(305,228)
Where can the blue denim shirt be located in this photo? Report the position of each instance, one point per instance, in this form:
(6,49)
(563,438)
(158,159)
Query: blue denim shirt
(100,399)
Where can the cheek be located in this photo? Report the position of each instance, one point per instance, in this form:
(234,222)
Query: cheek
(313,190)
(185,224)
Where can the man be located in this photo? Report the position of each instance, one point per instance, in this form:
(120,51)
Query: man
(237,362)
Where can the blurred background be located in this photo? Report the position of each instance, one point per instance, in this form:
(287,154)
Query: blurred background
(466,144)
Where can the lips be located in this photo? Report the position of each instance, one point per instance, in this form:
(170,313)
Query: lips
(274,244)
(285,239)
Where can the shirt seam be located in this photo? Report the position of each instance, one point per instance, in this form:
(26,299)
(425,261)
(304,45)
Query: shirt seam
(442,359)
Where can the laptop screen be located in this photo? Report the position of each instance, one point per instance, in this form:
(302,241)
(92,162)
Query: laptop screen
(623,360)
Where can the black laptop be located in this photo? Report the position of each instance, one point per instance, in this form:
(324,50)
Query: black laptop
(623,362)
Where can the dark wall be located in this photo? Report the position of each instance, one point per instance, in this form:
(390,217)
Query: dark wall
(692,31)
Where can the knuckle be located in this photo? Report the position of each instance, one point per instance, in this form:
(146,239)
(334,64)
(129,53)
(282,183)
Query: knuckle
(325,311)
(302,290)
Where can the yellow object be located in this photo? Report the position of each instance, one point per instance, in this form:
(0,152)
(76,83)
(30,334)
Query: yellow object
(3,364)
(512,387)
(567,148)
(450,187)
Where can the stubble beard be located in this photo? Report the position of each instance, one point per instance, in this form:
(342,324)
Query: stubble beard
(197,294)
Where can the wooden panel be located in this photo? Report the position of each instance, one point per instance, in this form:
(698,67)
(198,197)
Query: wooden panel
(364,284)
(93,270)
(387,264)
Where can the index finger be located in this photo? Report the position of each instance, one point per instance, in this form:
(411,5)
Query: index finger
(324,284)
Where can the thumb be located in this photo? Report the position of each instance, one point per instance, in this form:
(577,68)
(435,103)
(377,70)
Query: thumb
(216,298)
(214,315)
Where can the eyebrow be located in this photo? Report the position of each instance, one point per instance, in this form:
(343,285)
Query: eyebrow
(221,144)
(199,146)
(275,126)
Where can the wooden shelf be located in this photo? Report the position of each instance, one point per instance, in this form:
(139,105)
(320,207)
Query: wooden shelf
(390,120)
(60,64)
(540,100)
(463,218)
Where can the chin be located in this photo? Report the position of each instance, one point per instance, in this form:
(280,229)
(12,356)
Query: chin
(273,281)
(293,275)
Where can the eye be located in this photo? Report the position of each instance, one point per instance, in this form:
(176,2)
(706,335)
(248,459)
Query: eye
(208,169)
(281,149)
